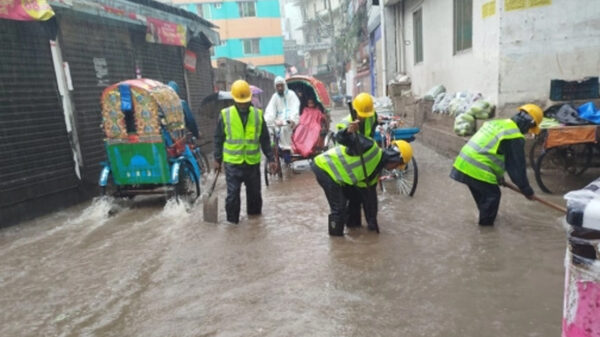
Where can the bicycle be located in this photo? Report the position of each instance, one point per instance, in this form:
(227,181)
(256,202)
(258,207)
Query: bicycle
(403,181)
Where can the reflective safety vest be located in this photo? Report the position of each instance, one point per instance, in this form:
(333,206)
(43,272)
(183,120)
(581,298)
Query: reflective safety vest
(345,169)
(369,123)
(242,143)
(479,158)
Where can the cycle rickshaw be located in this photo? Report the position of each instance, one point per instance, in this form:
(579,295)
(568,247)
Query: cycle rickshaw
(567,153)
(146,142)
(306,88)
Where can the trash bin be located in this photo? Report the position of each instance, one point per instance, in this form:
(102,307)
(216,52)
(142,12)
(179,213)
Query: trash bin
(581,311)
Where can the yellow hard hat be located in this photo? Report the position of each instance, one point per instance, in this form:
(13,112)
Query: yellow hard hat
(363,104)
(240,91)
(405,151)
(536,113)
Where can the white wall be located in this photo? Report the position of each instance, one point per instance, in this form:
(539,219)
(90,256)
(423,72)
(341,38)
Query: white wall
(558,41)
(292,21)
(474,70)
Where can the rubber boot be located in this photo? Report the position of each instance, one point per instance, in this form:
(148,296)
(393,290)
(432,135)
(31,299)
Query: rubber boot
(335,228)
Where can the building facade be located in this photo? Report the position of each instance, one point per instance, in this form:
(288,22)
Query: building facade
(53,74)
(507,50)
(250,30)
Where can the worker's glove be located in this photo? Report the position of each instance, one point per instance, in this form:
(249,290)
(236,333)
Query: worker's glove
(217,165)
(501,181)
(531,196)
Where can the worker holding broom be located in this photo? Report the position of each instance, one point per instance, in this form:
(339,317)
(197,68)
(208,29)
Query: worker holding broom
(497,146)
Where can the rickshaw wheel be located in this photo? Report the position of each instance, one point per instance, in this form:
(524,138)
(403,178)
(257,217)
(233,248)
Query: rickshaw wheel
(202,161)
(329,143)
(110,190)
(401,181)
(187,188)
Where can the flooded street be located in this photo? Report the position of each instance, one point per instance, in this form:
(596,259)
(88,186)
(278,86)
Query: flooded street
(156,270)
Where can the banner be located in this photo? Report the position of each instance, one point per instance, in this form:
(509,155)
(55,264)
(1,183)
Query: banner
(189,61)
(164,32)
(25,10)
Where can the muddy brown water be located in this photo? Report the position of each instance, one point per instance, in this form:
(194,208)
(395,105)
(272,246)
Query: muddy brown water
(154,269)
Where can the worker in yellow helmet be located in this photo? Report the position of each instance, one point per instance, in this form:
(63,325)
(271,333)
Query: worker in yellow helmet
(363,122)
(240,135)
(341,169)
(497,146)
(366,117)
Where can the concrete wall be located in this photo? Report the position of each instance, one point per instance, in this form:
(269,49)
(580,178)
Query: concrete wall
(557,41)
(473,70)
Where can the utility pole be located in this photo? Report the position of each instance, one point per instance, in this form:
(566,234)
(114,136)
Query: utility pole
(383,47)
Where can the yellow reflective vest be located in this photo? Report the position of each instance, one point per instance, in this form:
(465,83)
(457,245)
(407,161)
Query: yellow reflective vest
(369,123)
(479,158)
(242,142)
(345,169)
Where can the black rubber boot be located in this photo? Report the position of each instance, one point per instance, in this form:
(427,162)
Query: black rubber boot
(335,228)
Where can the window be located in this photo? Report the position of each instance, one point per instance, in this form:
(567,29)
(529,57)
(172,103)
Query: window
(463,25)
(251,46)
(418,35)
(247,8)
(205,11)
(212,51)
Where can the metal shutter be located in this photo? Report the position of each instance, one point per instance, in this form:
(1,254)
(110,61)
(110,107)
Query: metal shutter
(87,43)
(158,61)
(201,85)
(36,157)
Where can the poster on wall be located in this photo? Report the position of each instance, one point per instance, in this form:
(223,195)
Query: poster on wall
(164,32)
(189,61)
(31,10)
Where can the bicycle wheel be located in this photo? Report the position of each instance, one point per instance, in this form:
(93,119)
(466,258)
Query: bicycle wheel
(401,181)
(558,169)
(536,148)
(202,161)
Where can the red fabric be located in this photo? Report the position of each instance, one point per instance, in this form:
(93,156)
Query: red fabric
(306,135)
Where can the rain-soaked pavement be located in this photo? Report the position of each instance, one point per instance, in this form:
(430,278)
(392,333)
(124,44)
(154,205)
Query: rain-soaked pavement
(155,270)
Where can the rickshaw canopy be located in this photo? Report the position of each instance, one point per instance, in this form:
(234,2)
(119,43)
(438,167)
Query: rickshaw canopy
(151,103)
(318,88)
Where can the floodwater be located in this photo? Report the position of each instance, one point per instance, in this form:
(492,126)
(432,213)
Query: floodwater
(153,269)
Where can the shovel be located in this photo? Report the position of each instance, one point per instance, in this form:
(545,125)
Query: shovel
(536,198)
(211,203)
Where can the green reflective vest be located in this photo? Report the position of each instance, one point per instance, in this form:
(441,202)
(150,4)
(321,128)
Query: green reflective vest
(345,169)
(369,123)
(479,158)
(242,143)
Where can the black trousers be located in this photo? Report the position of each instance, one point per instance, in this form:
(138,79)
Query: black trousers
(335,195)
(235,175)
(487,198)
(367,197)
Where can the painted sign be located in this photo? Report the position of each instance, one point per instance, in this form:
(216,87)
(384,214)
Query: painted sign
(189,61)
(488,9)
(101,68)
(512,5)
(25,10)
(164,32)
